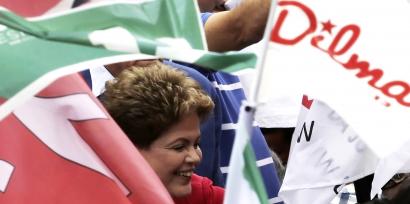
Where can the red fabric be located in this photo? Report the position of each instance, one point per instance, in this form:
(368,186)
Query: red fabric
(41,175)
(29,8)
(203,192)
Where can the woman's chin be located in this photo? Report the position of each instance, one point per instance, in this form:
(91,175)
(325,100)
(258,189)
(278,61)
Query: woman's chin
(180,191)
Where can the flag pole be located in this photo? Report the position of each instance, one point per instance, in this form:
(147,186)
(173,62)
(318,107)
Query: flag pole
(236,190)
(259,68)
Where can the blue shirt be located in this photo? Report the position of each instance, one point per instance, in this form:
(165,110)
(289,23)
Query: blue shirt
(231,95)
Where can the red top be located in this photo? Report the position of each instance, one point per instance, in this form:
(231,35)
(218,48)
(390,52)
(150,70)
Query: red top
(203,192)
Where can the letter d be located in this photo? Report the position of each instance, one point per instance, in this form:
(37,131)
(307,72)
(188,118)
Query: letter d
(275,36)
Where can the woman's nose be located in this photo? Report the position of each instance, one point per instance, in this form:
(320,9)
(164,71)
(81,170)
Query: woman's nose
(193,156)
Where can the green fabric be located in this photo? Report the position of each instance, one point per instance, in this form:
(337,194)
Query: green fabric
(31,49)
(227,62)
(252,174)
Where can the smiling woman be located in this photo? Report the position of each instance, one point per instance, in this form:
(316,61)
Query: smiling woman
(179,153)
(160,110)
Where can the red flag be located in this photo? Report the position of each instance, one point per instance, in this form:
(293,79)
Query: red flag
(34,8)
(62,147)
(30,8)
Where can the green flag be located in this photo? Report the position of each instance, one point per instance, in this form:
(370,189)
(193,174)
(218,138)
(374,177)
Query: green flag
(37,51)
(244,184)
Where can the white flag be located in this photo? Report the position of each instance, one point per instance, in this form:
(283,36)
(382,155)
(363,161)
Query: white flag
(354,55)
(397,162)
(325,154)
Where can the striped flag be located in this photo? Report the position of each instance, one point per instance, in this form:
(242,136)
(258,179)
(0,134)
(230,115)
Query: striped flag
(244,182)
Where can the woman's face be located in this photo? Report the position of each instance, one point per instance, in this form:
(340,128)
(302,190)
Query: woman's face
(175,154)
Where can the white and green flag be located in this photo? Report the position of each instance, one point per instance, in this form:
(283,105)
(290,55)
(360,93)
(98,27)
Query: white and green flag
(36,51)
(244,183)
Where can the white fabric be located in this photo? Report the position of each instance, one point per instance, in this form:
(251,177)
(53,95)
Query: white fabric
(278,112)
(227,87)
(99,75)
(6,170)
(323,155)
(346,196)
(275,200)
(109,38)
(398,162)
(60,111)
(259,163)
(377,107)
(316,63)
(231,4)
(277,109)
(238,189)
(61,6)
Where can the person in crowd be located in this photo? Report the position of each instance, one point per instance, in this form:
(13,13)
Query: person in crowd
(210,128)
(211,5)
(234,29)
(227,31)
(218,131)
(400,196)
(229,96)
(279,140)
(396,190)
(378,201)
(160,110)
(399,182)
(280,168)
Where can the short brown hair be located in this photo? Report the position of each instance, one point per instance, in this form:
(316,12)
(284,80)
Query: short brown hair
(146,101)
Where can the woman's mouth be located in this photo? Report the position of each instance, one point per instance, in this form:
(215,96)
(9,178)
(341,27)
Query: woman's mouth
(185,173)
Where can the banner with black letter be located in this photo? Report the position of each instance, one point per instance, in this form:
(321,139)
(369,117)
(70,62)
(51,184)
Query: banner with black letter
(326,153)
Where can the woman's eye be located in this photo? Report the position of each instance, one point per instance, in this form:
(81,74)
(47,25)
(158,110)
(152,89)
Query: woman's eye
(196,146)
(179,148)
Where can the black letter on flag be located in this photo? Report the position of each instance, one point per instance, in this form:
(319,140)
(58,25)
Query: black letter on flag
(307,136)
